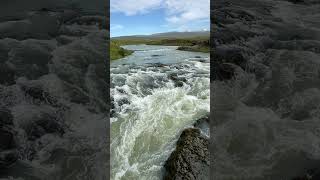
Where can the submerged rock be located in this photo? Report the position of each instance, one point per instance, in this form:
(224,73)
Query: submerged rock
(178,81)
(156,55)
(204,125)
(190,160)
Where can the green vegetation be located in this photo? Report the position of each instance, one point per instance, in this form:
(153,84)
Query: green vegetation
(117,52)
(195,48)
(193,41)
(198,44)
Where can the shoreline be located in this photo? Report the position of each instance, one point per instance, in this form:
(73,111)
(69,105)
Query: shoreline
(184,44)
(202,49)
(118,52)
(179,48)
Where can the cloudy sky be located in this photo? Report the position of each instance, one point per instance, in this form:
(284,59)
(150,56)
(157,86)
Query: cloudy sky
(135,17)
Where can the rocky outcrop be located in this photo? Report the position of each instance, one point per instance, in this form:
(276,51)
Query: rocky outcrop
(265,89)
(53,94)
(178,81)
(190,160)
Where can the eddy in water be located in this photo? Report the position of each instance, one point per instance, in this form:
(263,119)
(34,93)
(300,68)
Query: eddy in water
(157,92)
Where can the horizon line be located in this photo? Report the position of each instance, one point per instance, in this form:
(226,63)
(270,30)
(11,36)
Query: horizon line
(160,33)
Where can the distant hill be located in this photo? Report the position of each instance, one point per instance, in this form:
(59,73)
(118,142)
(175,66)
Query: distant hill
(198,41)
(170,35)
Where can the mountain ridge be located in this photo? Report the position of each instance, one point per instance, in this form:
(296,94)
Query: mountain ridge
(172,34)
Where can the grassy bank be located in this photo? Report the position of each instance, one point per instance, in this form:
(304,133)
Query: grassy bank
(196,44)
(117,52)
(195,48)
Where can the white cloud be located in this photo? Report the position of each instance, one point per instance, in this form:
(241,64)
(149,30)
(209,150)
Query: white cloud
(181,12)
(133,7)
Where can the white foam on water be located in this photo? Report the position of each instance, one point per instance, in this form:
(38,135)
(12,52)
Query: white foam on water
(151,112)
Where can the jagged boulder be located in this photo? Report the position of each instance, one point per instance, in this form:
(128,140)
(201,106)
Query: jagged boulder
(190,160)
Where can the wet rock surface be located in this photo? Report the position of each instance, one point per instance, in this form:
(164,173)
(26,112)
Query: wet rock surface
(53,92)
(190,160)
(265,89)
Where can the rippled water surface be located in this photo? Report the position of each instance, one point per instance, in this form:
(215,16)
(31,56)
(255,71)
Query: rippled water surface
(156,93)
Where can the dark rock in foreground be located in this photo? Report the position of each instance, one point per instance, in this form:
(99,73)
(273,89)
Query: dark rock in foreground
(190,160)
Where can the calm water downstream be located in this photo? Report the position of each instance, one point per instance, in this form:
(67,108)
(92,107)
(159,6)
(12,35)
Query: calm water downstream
(156,92)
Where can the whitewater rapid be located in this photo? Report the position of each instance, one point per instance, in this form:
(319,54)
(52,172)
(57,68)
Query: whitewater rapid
(151,104)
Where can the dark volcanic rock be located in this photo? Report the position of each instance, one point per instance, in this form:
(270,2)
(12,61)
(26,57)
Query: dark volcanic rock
(190,160)
(178,81)
(155,55)
(158,65)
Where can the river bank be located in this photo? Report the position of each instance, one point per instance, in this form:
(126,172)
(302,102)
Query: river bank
(117,52)
(193,44)
(195,48)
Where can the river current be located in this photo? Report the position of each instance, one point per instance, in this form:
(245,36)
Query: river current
(156,93)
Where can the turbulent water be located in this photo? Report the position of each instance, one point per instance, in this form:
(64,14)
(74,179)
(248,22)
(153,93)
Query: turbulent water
(156,92)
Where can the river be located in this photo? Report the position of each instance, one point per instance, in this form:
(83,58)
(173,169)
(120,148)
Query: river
(156,93)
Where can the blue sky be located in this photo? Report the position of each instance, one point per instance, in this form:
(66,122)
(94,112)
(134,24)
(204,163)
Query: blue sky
(143,17)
